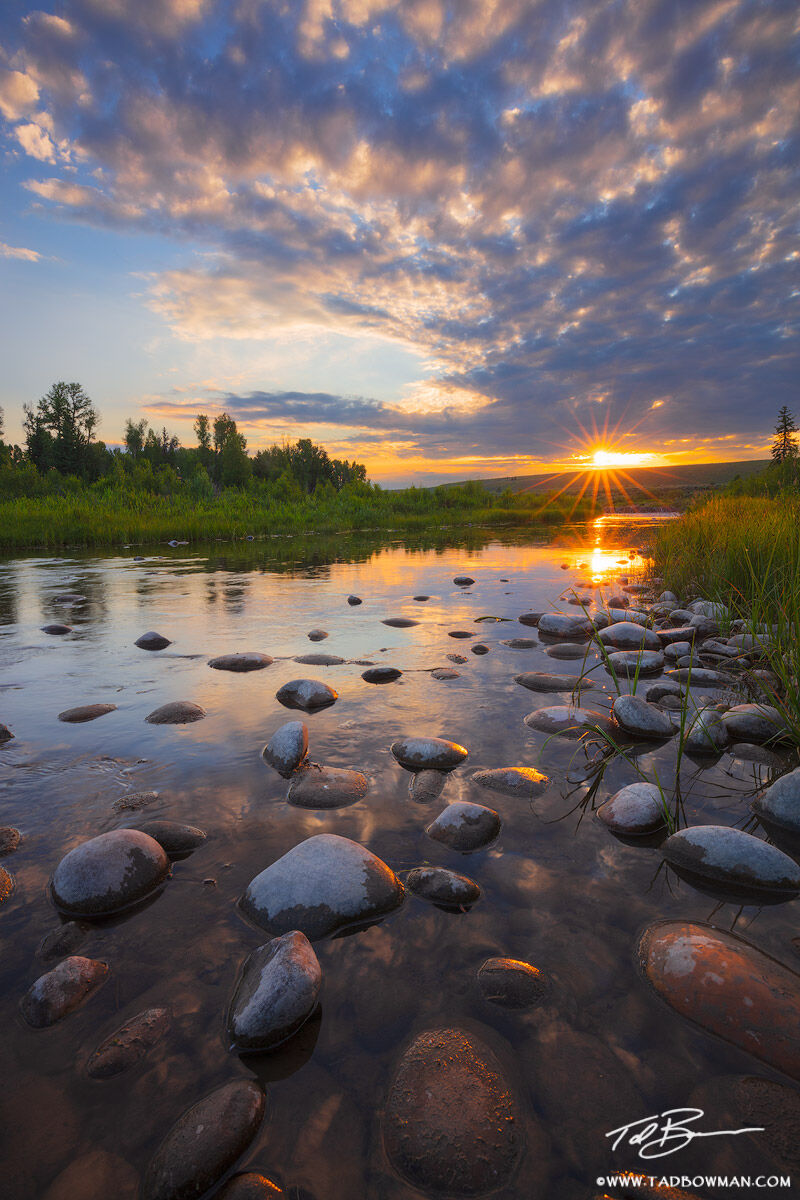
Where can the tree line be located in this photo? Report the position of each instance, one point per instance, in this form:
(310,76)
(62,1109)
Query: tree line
(60,443)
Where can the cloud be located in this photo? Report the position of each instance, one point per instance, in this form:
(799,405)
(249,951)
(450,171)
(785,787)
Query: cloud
(572,214)
(7,251)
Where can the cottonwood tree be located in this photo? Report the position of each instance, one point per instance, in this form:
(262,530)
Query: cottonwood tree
(59,430)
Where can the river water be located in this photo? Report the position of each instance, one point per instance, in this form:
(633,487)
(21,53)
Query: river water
(558,890)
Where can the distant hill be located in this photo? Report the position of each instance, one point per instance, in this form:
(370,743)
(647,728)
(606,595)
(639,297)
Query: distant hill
(664,482)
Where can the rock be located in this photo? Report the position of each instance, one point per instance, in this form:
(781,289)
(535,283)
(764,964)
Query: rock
(427,785)
(700,677)
(63,941)
(708,976)
(171,836)
(252,1185)
(152,641)
(732,859)
(668,598)
(443,887)
(540,681)
(479,648)
(307,694)
(463,580)
(755,723)
(320,660)
(564,625)
(747,752)
(520,643)
(128,1044)
(276,993)
(9,839)
(177,712)
(676,651)
(317,635)
(627,635)
(134,801)
(774,1108)
(57,993)
(420,599)
(250,661)
(326,787)
(399,622)
(465,827)
(779,807)
(86,712)
(353,600)
(677,636)
(205,1142)
(635,810)
(634,664)
(5,734)
(707,734)
(531,618)
(57,629)
(69,598)
(460,633)
(428,753)
(445,673)
(7,885)
(526,782)
(381,674)
(450,1122)
(456,658)
(109,873)
(641,719)
(658,691)
(321,885)
(96,1173)
(510,983)
(568,721)
(567,650)
(287,748)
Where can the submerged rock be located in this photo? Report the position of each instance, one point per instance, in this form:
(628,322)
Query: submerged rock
(109,873)
(9,839)
(635,810)
(420,599)
(657,692)
(152,641)
(456,658)
(177,712)
(519,643)
(568,721)
(461,633)
(134,801)
(57,993)
(513,781)
(287,748)
(728,987)
(450,1122)
(128,1044)
(317,635)
(250,661)
(465,827)
(445,673)
(707,734)
(779,807)
(63,941)
(399,622)
(427,785)
(511,983)
(733,859)
(173,837)
(641,719)
(86,712)
(531,618)
(7,885)
(5,734)
(755,723)
(321,885)
(57,629)
(479,648)
(463,580)
(276,993)
(326,787)
(354,600)
(428,753)
(205,1142)
(540,681)
(444,887)
(381,674)
(320,660)
(307,694)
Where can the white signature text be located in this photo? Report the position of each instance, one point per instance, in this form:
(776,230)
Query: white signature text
(666,1132)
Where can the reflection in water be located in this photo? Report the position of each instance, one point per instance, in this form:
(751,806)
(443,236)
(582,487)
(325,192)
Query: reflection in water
(557,889)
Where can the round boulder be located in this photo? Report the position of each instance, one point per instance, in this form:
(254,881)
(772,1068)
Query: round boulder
(60,991)
(568,721)
(779,807)
(443,887)
(128,1045)
(250,661)
(510,983)
(152,641)
(399,622)
(526,782)
(381,674)
(465,827)
(276,993)
(85,712)
(287,748)
(641,719)
(326,787)
(317,635)
(734,860)
(173,837)
(177,712)
(755,723)
(627,635)
(109,873)
(635,810)
(354,600)
(428,753)
(306,694)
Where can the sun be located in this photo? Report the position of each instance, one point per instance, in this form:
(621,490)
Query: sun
(608,459)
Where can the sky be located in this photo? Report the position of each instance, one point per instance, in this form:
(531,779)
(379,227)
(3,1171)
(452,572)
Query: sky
(448,239)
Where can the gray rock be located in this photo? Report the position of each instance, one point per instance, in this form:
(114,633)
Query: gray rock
(134,801)
(570,721)
(677,650)
(465,827)
(5,734)
(205,1142)
(381,674)
(317,635)
(658,691)
(748,752)
(250,661)
(353,600)
(730,857)
(56,629)
(321,885)
(511,983)
(57,993)
(85,712)
(172,837)
(641,719)
(427,785)
(307,694)
(700,677)
(463,580)
(63,941)
(320,660)
(109,873)
(540,681)
(69,598)
(428,753)
(531,618)
(461,633)
(152,641)
(451,1123)
(128,1045)
(9,839)
(635,663)
(479,648)
(755,723)
(519,643)
(626,635)
(399,622)
(326,787)
(177,712)
(707,734)
(571,650)
(456,658)
(779,807)
(668,598)
(677,635)
(635,810)
(444,887)
(287,748)
(564,625)
(277,991)
(421,599)
(445,673)
(513,781)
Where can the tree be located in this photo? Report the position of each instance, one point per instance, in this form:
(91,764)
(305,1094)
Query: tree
(135,433)
(784,446)
(60,429)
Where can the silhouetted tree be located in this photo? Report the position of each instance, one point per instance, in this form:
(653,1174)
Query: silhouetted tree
(59,430)
(784,445)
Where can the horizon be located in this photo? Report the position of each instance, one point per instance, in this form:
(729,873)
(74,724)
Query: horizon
(442,249)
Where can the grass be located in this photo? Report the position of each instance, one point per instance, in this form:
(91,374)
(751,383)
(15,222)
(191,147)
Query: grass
(103,516)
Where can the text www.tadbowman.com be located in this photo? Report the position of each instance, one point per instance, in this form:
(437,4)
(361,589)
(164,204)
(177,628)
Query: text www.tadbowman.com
(695,1181)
